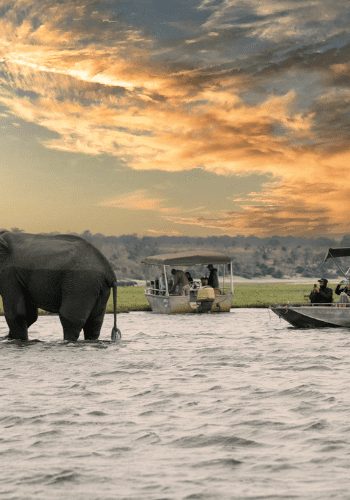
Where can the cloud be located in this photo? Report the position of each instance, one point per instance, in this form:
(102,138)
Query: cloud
(103,91)
(278,20)
(307,210)
(218,132)
(164,232)
(310,208)
(138,200)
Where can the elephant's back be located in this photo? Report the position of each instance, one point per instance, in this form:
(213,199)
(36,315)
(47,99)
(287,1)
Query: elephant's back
(57,254)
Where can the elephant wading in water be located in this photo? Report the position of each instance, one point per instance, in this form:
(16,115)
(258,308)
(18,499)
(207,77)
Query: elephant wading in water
(61,274)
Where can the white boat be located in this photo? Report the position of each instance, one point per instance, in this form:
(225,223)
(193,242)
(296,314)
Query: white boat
(317,315)
(161,301)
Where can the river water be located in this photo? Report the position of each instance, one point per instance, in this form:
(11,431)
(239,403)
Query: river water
(236,405)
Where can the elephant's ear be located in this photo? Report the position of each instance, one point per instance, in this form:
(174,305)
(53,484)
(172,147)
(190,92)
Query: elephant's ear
(4,253)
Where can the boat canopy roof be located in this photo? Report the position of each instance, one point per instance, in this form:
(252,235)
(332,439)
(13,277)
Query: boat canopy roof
(338,252)
(187,259)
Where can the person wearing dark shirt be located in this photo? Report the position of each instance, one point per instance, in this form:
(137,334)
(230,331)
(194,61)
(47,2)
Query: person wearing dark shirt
(213,277)
(343,292)
(180,285)
(321,294)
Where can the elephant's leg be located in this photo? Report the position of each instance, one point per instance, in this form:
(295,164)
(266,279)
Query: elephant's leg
(18,328)
(31,312)
(15,315)
(71,330)
(73,315)
(93,325)
(20,318)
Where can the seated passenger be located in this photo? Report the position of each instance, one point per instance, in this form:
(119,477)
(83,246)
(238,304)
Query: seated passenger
(189,277)
(321,294)
(180,285)
(213,277)
(344,293)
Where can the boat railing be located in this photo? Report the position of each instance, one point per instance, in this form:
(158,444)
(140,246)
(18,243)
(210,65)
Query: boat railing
(308,304)
(151,289)
(154,291)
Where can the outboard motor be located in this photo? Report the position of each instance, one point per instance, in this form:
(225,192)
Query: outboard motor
(205,299)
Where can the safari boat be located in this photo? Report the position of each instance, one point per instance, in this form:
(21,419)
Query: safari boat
(317,315)
(161,301)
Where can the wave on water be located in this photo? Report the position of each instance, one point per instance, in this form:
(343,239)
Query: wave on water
(218,463)
(202,440)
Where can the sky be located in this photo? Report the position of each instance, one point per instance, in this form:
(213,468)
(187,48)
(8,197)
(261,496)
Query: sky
(176,117)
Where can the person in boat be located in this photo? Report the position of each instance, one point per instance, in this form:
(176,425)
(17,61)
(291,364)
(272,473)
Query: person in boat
(180,284)
(213,277)
(344,293)
(189,277)
(321,294)
(204,281)
(162,286)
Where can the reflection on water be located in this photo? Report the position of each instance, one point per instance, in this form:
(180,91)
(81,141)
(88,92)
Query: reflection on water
(230,406)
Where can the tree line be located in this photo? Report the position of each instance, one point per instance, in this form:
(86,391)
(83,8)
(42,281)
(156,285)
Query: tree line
(253,257)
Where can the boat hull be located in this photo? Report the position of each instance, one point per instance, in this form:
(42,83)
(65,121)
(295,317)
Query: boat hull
(314,316)
(181,304)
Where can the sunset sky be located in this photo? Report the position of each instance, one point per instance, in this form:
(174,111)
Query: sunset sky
(178,117)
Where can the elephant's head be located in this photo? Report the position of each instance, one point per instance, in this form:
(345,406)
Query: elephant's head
(4,253)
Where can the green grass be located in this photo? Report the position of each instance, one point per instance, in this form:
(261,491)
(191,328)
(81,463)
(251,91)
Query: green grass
(262,294)
(246,295)
(130,298)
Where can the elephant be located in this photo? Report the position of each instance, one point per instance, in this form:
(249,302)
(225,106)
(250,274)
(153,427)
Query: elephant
(62,274)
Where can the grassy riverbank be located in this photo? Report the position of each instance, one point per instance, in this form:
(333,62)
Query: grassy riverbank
(252,294)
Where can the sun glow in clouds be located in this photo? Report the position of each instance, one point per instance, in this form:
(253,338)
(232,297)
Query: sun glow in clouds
(220,97)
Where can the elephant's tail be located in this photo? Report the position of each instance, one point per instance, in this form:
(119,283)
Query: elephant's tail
(115,335)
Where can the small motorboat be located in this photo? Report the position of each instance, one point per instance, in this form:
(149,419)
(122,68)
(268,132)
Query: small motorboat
(314,315)
(317,315)
(161,301)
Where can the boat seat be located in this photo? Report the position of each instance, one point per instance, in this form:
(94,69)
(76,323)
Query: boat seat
(217,291)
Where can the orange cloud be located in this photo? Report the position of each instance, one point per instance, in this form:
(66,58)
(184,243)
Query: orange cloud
(308,209)
(138,200)
(164,120)
(229,137)
(164,232)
